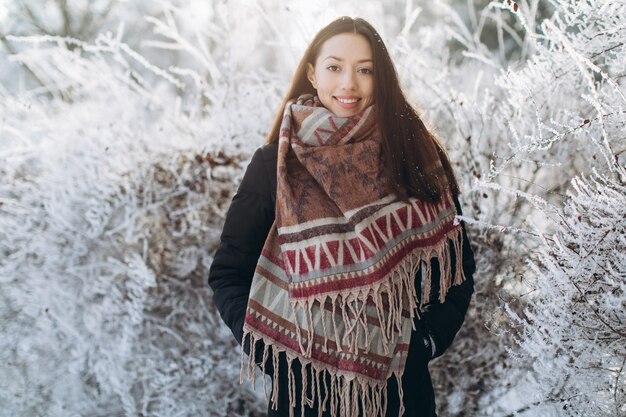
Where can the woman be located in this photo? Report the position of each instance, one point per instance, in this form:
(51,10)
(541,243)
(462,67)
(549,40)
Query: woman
(337,262)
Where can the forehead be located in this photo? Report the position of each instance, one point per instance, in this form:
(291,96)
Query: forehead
(346,46)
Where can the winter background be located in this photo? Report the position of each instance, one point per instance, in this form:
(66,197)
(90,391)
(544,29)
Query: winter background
(125,127)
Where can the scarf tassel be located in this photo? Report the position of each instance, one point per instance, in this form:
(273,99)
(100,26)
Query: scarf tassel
(343,396)
(390,301)
(349,394)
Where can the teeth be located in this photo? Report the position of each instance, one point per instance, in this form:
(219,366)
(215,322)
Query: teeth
(348,101)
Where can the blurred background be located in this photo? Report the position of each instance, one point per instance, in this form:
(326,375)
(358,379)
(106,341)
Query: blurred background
(125,127)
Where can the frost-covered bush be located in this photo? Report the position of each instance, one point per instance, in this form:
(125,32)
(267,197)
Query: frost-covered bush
(105,239)
(575,326)
(111,202)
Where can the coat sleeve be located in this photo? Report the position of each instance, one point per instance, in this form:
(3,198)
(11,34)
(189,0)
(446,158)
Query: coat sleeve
(248,221)
(443,320)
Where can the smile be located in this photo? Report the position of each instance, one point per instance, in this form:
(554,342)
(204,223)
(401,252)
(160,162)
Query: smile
(347,100)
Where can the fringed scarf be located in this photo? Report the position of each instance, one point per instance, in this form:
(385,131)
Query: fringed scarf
(334,286)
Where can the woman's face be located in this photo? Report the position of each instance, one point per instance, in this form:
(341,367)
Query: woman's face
(343,74)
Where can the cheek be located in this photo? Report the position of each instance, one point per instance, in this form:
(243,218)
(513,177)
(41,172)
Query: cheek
(370,87)
(324,83)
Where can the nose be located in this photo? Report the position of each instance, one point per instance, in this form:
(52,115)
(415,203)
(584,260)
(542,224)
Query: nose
(348,80)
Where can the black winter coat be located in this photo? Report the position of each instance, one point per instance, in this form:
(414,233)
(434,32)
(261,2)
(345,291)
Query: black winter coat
(247,224)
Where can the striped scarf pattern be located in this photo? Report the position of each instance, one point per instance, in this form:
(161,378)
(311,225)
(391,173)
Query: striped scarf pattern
(335,286)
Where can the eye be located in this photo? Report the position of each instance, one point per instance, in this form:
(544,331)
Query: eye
(365,71)
(333,68)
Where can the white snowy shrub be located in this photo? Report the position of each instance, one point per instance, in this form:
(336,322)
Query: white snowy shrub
(574,328)
(111,202)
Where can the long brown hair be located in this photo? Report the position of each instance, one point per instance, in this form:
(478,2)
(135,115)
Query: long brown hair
(408,147)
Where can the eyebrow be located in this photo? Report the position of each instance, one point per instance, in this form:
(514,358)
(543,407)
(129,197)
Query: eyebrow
(339,59)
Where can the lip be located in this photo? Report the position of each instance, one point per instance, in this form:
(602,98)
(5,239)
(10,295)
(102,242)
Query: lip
(347,105)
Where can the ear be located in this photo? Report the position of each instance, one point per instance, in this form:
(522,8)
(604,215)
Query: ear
(310,74)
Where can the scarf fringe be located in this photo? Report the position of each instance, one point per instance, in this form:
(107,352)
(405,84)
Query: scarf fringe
(397,290)
(345,396)
(347,392)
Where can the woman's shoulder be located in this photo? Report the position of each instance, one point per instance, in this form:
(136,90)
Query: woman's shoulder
(270,153)
(260,175)
(270,156)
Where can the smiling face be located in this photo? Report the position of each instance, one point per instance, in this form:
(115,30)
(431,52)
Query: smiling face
(343,74)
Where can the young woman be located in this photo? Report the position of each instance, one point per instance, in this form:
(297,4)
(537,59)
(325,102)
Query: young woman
(341,269)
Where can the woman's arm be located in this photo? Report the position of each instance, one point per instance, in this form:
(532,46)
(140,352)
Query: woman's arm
(443,321)
(247,224)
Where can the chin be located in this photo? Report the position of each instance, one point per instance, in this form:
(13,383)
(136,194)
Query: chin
(345,113)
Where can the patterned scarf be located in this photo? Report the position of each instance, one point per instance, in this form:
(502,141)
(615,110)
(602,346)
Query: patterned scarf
(334,286)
